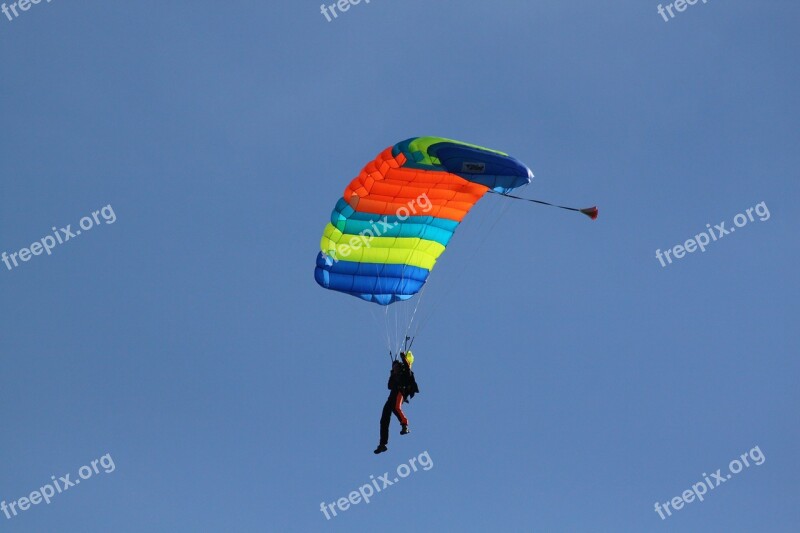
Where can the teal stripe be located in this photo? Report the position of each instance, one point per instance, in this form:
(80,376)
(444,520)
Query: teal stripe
(347,220)
(402,229)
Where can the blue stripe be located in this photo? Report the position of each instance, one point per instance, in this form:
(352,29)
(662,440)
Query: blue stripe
(374,282)
(501,173)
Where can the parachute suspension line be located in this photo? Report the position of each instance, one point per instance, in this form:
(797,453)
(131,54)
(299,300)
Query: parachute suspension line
(414,314)
(386,317)
(397,309)
(405,305)
(410,321)
(391,309)
(590,212)
(499,214)
(451,282)
(407,322)
(406,315)
(373,313)
(396,330)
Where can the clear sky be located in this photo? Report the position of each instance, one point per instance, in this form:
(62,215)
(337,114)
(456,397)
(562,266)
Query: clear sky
(569,381)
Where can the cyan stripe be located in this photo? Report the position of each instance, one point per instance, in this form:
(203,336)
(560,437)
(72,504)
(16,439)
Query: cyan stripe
(347,220)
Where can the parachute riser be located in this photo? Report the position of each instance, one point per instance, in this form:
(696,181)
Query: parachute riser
(406,347)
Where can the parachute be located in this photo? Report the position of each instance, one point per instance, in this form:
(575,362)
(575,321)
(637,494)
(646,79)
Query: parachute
(398,215)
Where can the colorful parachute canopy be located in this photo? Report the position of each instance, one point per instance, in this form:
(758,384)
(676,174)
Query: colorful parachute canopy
(397,216)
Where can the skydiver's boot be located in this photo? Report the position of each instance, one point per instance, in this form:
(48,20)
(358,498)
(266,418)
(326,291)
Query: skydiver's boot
(380,449)
(405,430)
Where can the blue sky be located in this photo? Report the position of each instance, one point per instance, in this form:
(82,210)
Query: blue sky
(569,381)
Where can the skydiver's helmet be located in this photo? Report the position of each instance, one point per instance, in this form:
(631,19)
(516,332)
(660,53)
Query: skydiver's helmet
(408,357)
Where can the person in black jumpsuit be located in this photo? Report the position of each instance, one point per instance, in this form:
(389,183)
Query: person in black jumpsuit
(402,386)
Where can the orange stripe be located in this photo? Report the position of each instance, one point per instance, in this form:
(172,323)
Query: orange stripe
(383,187)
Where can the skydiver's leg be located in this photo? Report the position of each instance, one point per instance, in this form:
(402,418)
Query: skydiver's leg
(398,409)
(386,416)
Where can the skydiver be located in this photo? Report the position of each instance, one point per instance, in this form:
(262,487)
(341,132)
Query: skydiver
(402,386)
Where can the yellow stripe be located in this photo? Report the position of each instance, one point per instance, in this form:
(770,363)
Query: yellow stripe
(411,251)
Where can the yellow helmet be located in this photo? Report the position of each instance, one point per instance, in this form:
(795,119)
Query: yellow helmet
(409,358)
